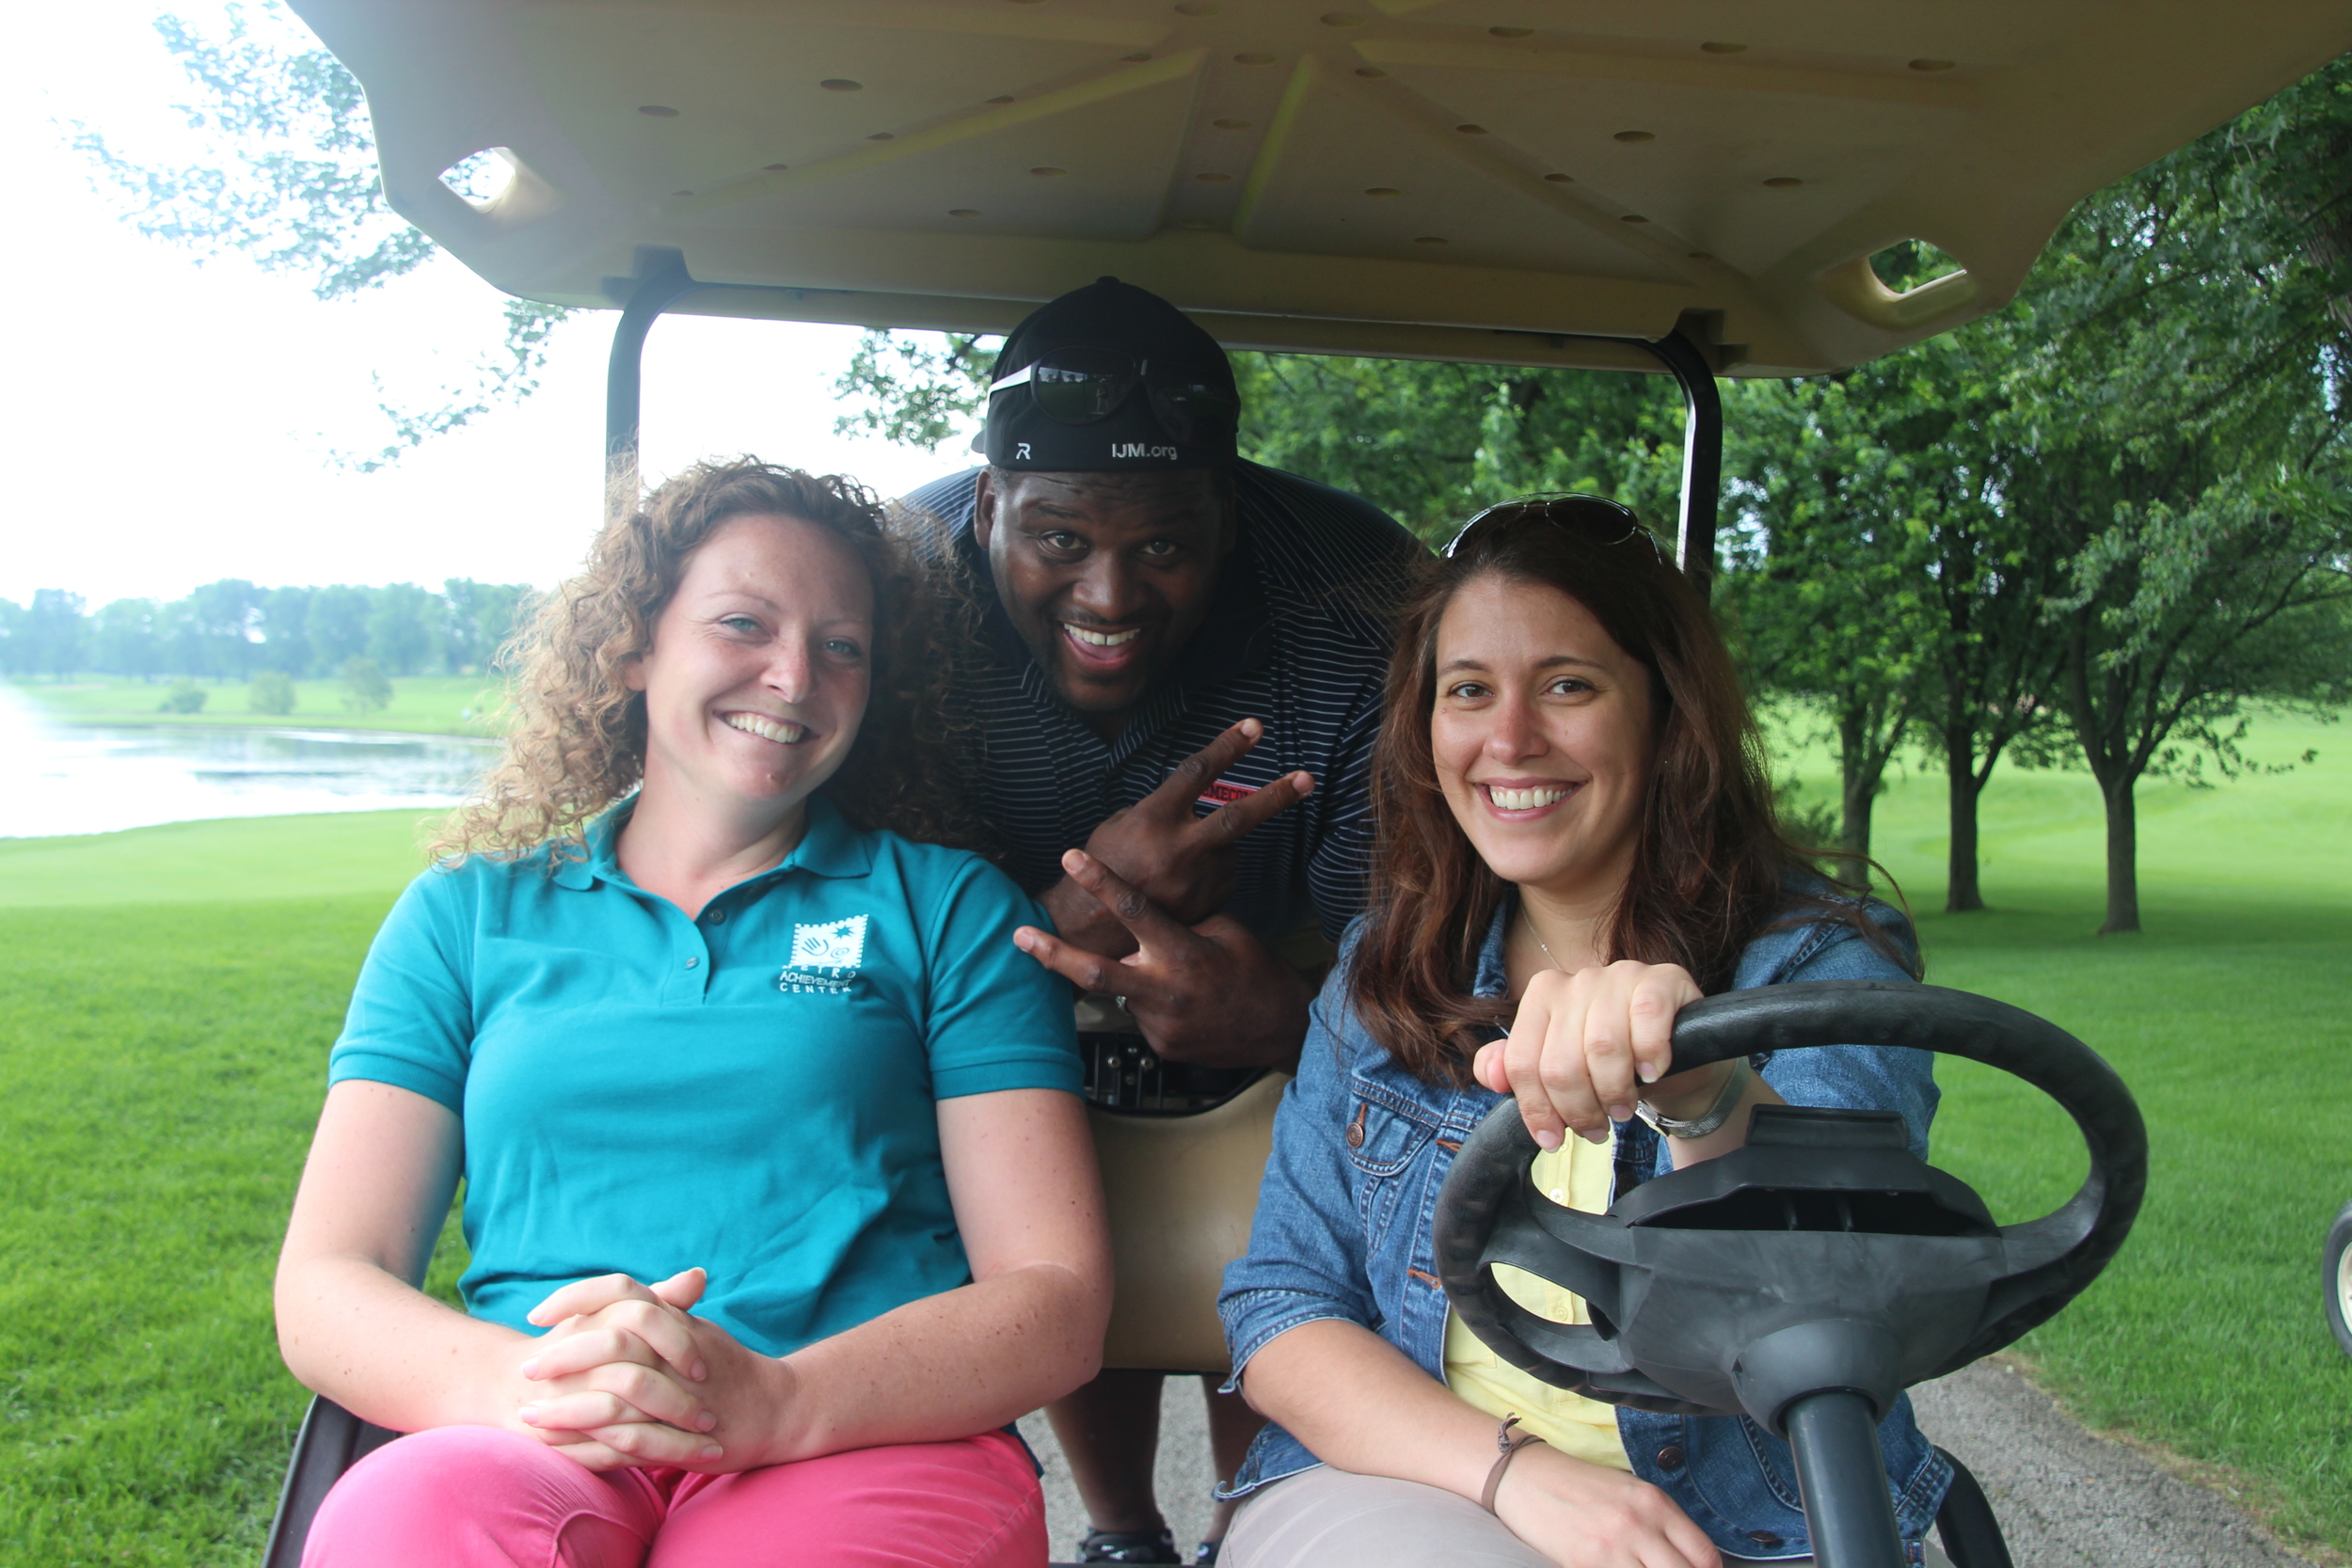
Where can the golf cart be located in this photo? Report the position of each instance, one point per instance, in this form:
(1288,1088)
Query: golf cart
(2335,1275)
(1693,188)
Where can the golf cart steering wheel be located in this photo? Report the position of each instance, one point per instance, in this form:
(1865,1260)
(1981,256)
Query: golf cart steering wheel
(1808,1277)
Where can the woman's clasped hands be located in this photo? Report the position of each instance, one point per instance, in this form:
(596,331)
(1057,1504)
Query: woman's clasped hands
(626,1375)
(1584,1047)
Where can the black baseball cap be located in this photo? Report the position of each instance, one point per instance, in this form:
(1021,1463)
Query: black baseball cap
(1110,378)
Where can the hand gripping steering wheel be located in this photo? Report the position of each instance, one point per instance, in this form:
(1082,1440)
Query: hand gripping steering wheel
(1808,1277)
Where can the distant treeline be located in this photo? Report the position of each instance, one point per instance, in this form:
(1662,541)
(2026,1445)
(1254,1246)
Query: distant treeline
(232,630)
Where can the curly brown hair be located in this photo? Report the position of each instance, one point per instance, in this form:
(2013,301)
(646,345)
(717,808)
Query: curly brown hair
(577,738)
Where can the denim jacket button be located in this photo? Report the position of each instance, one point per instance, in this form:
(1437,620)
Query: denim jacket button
(1764,1538)
(1669,1458)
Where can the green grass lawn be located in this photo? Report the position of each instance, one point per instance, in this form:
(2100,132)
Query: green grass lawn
(423,704)
(167,995)
(2231,1018)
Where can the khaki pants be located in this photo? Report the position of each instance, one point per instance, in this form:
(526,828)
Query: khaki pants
(1327,1518)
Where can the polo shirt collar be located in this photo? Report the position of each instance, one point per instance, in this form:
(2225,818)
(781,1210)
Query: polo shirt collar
(830,847)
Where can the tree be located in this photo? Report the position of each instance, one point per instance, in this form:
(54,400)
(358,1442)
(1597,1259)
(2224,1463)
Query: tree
(1997,657)
(1987,656)
(2179,387)
(285,632)
(365,687)
(1433,443)
(1837,482)
(226,620)
(477,619)
(335,625)
(272,692)
(402,626)
(2180,616)
(124,639)
(290,181)
(52,631)
(918,389)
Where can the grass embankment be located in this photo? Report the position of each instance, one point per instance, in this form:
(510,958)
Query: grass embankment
(421,705)
(166,997)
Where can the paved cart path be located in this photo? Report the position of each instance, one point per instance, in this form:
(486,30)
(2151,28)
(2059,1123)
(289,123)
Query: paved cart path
(2066,1499)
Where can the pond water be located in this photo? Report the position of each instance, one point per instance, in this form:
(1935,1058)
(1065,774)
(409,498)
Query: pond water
(101,778)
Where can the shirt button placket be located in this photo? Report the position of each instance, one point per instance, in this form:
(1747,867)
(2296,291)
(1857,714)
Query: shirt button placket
(696,965)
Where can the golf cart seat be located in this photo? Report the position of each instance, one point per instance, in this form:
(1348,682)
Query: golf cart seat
(1181,1151)
(331,1441)
(1181,1192)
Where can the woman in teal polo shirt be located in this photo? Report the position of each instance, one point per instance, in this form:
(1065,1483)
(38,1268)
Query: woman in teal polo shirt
(778,1191)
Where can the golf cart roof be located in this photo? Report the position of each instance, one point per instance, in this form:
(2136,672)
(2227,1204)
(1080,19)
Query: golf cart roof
(1493,181)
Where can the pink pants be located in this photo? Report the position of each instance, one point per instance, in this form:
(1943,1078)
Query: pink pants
(472,1496)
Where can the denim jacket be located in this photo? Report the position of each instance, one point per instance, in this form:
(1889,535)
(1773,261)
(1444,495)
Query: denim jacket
(1346,1215)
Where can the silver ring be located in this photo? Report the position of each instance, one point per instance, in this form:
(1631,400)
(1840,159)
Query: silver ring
(1121,1003)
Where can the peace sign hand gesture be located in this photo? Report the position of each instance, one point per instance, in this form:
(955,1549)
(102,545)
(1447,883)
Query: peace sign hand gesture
(1211,993)
(1178,861)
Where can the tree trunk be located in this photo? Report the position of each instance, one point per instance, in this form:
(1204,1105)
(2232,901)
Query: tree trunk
(2122,857)
(1960,890)
(1857,780)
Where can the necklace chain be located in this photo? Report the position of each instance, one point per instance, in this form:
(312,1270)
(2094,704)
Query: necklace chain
(1542,943)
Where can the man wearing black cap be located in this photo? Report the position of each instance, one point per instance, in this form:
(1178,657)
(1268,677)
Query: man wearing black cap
(1181,672)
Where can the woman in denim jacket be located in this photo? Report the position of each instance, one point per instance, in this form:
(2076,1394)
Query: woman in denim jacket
(1577,839)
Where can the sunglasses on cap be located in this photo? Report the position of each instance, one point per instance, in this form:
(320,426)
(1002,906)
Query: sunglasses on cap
(1605,522)
(1083,383)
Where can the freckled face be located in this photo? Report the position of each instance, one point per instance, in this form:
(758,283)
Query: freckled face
(760,666)
(1542,735)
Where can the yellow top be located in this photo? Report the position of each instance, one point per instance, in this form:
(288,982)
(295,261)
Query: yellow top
(1576,1174)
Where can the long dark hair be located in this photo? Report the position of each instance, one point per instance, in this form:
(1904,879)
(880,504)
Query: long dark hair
(1712,869)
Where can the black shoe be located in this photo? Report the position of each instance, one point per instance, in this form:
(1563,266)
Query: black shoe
(1206,1556)
(1128,1546)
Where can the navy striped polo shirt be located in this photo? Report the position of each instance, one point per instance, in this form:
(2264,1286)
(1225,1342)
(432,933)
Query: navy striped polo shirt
(1298,637)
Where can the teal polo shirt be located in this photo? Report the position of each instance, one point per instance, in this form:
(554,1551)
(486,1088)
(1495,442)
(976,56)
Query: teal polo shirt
(753,1092)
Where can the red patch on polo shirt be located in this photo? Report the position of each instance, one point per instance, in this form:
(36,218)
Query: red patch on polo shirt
(1222,793)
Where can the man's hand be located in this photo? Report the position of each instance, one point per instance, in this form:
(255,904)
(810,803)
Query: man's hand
(1211,993)
(1178,861)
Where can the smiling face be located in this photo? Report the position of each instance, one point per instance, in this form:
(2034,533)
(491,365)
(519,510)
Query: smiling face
(1543,736)
(1105,576)
(759,670)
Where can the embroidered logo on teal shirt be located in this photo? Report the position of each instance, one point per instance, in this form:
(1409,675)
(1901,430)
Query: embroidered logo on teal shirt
(825,957)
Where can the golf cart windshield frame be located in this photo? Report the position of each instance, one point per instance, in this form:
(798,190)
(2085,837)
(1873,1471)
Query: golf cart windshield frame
(663,280)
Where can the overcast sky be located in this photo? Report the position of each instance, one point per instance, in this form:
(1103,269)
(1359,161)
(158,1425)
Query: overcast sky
(174,422)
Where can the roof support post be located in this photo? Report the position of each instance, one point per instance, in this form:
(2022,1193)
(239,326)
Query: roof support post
(1702,454)
(662,280)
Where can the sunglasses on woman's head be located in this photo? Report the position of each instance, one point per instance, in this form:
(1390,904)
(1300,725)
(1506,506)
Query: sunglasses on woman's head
(1605,522)
(1083,383)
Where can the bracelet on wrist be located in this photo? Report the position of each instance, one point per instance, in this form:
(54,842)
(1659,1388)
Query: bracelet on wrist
(1510,1447)
(1726,1100)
